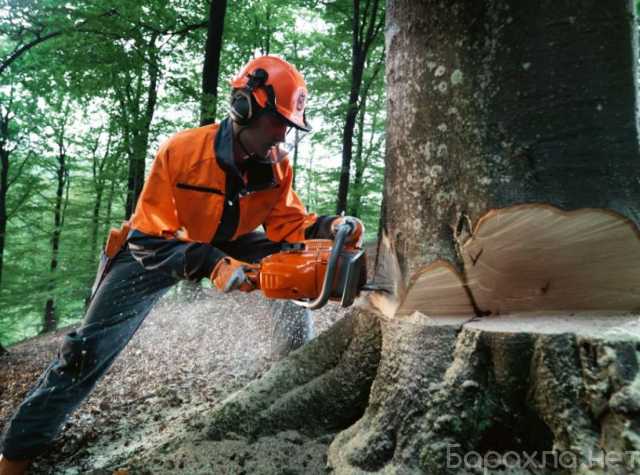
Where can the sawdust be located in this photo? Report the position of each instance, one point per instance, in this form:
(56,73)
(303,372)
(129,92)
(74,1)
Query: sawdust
(190,354)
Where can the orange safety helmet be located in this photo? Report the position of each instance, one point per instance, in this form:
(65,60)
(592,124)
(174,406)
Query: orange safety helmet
(274,84)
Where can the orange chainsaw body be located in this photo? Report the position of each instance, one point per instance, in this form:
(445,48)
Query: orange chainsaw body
(299,273)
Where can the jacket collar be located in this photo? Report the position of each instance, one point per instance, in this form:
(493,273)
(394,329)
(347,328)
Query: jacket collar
(223,148)
(260,176)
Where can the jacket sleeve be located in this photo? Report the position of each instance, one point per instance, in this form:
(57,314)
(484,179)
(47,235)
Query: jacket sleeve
(321,229)
(155,212)
(289,220)
(184,260)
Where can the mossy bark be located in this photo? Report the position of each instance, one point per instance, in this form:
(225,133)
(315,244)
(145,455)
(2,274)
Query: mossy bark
(447,397)
(320,388)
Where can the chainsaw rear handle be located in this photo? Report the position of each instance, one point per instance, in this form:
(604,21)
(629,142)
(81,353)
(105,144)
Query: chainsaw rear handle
(343,231)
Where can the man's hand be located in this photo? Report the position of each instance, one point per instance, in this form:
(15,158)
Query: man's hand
(357,229)
(230,274)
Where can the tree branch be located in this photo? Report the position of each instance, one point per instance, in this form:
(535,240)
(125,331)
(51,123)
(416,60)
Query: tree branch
(20,168)
(40,39)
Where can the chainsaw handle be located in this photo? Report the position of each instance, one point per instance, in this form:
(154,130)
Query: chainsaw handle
(341,235)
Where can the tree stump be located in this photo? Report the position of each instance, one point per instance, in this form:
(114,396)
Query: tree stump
(547,392)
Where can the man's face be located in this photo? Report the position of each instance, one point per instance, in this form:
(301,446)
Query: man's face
(266,131)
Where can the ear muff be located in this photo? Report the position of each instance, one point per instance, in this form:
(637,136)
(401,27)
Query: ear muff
(243,105)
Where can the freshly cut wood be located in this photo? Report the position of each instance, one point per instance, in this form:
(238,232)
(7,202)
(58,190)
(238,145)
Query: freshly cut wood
(532,259)
(594,324)
(438,290)
(537,257)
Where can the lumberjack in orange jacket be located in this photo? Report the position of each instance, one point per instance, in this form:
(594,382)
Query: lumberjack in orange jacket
(188,187)
(212,186)
(208,189)
(197,201)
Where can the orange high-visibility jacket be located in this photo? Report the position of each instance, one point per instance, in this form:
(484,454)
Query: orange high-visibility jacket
(184,195)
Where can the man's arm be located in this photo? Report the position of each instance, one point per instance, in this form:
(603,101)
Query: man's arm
(289,220)
(184,260)
(321,229)
(153,241)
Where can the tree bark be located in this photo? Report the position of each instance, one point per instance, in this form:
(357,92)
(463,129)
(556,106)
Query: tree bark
(211,66)
(109,206)
(99,169)
(516,104)
(501,103)
(6,116)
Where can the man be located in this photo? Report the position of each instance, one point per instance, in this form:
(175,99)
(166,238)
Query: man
(208,190)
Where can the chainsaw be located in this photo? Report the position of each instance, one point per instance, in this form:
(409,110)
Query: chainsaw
(312,272)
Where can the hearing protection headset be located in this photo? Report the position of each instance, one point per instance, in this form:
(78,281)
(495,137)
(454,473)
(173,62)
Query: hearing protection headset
(243,106)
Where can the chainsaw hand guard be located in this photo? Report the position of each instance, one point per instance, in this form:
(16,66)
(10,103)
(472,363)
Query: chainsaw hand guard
(355,226)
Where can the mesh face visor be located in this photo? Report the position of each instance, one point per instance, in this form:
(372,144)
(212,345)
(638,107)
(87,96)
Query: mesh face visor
(280,150)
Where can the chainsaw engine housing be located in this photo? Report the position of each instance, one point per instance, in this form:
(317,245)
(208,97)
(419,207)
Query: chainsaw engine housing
(298,273)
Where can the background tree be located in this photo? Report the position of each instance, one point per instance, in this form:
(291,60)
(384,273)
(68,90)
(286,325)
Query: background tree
(211,64)
(367,23)
(59,132)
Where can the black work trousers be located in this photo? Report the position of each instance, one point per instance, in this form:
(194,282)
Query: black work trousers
(123,298)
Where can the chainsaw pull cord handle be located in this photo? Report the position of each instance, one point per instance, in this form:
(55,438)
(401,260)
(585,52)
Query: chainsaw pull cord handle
(343,231)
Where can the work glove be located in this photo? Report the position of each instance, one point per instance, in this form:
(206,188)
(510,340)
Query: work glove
(357,229)
(230,274)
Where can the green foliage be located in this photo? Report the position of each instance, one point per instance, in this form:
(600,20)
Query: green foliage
(78,78)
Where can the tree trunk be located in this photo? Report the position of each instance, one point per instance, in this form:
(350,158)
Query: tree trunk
(4,188)
(109,207)
(100,167)
(359,162)
(502,103)
(211,66)
(365,28)
(357,68)
(95,222)
(517,103)
(140,132)
(50,321)
(5,153)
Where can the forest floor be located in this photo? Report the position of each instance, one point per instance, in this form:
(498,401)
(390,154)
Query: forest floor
(188,356)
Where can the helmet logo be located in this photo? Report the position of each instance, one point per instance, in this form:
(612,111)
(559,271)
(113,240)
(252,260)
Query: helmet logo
(300,101)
